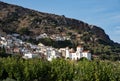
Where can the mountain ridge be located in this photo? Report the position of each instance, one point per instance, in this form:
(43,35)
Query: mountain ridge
(65,21)
(16,19)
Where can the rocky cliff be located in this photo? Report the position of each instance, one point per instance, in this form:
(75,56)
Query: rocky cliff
(13,18)
(16,19)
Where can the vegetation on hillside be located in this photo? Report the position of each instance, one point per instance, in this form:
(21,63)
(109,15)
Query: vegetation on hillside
(13,69)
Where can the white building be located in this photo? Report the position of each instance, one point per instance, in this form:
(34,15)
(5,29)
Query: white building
(67,53)
(73,56)
(78,54)
(86,54)
(15,35)
(44,35)
(3,43)
(52,54)
(29,55)
(3,38)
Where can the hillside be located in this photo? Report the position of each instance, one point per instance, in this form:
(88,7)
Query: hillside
(16,19)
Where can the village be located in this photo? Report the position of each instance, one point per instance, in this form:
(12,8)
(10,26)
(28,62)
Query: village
(13,45)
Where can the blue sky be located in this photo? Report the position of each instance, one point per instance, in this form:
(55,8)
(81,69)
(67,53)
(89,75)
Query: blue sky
(103,13)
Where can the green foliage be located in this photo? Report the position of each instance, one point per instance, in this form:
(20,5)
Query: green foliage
(8,79)
(46,41)
(62,70)
(62,44)
(24,30)
(3,52)
(83,59)
(50,42)
(1,68)
(12,69)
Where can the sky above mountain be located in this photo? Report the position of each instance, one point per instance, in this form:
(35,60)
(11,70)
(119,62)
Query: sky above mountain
(103,13)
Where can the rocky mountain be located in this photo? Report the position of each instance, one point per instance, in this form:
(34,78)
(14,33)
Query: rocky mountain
(16,19)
